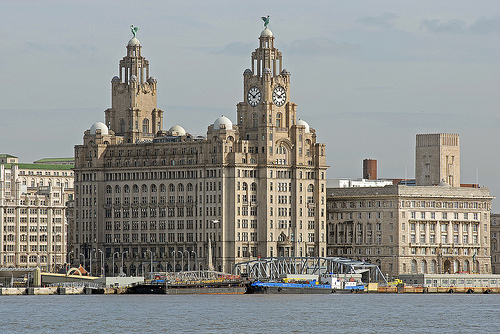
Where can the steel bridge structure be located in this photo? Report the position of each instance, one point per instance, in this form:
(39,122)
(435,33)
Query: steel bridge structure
(195,275)
(276,267)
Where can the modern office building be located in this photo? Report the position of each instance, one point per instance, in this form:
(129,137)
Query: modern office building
(33,199)
(252,189)
(414,229)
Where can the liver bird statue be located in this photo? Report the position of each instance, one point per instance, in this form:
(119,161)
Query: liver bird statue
(266,21)
(134,29)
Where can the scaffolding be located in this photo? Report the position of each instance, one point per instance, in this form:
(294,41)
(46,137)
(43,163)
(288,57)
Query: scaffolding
(272,268)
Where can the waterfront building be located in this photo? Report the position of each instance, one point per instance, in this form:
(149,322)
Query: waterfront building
(33,200)
(252,189)
(495,242)
(413,229)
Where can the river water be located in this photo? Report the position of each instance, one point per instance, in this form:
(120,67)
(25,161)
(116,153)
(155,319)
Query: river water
(332,313)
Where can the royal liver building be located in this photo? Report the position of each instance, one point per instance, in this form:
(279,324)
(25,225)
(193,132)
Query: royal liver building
(247,190)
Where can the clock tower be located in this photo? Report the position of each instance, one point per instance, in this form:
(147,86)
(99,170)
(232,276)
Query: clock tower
(133,114)
(267,108)
(290,163)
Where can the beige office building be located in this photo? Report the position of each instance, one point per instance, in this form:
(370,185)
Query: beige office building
(413,229)
(250,189)
(33,199)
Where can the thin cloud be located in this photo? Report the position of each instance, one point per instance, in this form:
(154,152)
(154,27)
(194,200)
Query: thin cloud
(382,21)
(235,49)
(322,46)
(67,48)
(457,26)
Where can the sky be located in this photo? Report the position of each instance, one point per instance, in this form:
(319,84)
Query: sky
(367,75)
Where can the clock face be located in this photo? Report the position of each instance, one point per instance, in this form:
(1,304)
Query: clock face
(254,96)
(279,96)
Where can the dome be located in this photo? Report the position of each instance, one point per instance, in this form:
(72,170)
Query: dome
(152,80)
(267,71)
(223,120)
(177,130)
(248,71)
(133,78)
(285,72)
(304,123)
(99,126)
(134,42)
(266,33)
(115,79)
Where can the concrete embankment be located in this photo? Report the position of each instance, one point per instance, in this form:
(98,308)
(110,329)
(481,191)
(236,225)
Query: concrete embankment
(415,289)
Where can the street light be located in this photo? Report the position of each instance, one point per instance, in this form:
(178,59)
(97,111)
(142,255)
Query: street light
(182,260)
(81,254)
(121,270)
(69,265)
(174,260)
(92,250)
(195,259)
(102,262)
(151,267)
(114,262)
(189,255)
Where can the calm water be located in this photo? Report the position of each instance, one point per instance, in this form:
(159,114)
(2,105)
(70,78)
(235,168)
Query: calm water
(363,313)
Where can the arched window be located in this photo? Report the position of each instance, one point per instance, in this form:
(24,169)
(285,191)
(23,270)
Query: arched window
(423,267)
(171,187)
(180,187)
(466,265)
(278,120)
(135,188)
(144,188)
(433,267)
(244,186)
(162,188)
(117,189)
(253,186)
(189,187)
(145,126)
(126,189)
(109,190)
(413,266)
(310,188)
(153,188)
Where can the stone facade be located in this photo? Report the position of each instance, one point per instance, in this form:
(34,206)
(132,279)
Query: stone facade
(249,190)
(412,229)
(437,159)
(33,200)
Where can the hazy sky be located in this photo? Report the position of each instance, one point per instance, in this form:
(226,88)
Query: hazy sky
(367,75)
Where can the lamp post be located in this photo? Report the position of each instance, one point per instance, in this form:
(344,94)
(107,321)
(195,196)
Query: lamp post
(90,271)
(69,265)
(189,255)
(182,260)
(114,262)
(81,254)
(195,259)
(151,266)
(102,262)
(174,260)
(121,270)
